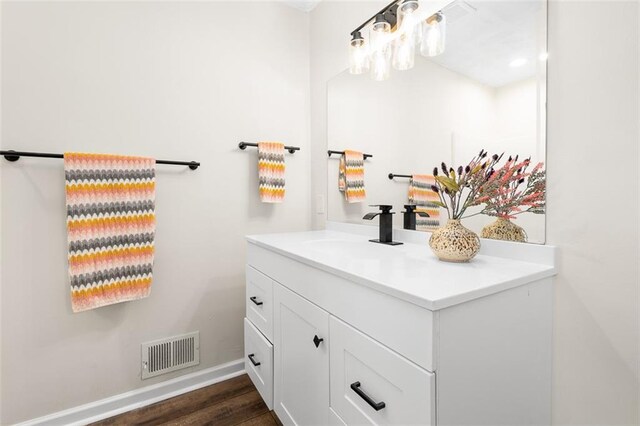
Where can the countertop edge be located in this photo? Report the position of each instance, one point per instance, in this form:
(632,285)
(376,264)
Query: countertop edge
(408,297)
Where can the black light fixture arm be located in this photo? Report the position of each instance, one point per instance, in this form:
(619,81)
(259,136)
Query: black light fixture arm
(389,12)
(11,155)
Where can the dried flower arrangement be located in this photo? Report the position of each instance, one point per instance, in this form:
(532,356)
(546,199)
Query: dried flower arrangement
(512,190)
(462,188)
(499,189)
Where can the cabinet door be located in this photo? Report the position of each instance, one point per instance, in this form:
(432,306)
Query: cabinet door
(301,360)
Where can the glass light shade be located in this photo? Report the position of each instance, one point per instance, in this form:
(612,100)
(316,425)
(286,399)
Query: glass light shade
(380,49)
(433,35)
(404,53)
(409,32)
(408,20)
(358,56)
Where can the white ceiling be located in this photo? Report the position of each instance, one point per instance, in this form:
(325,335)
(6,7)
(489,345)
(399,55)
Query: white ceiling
(484,37)
(303,5)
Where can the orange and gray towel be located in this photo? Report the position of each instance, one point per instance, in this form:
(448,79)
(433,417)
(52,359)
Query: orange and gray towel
(351,176)
(421,194)
(110,228)
(271,171)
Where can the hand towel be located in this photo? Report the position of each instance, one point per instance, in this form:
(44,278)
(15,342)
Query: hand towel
(421,194)
(271,171)
(351,176)
(110,228)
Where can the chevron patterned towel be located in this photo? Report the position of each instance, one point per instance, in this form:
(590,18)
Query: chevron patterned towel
(271,171)
(351,176)
(421,194)
(110,228)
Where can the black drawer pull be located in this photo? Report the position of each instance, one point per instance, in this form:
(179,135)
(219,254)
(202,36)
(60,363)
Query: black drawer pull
(253,361)
(253,299)
(317,340)
(375,405)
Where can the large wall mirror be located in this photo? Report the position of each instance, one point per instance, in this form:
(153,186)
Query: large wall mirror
(487,90)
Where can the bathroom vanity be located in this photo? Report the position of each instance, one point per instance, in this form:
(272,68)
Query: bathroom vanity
(339,330)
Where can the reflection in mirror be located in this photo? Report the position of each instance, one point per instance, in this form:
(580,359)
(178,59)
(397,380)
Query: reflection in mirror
(487,90)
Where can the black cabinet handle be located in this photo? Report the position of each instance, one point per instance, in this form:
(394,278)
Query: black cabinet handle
(253,299)
(317,340)
(375,405)
(253,361)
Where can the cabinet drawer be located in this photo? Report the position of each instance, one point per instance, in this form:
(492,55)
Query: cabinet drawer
(260,301)
(370,384)
(258,361)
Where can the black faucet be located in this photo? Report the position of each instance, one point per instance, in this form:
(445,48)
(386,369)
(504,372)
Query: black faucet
(410,216)
(386,225)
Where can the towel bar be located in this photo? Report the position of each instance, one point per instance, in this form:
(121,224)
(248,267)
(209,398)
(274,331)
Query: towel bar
(393,175)
(342,152)
(11,155)
(291,149)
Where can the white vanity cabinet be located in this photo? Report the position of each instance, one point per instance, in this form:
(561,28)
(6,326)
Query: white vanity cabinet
(301,385)
(337,347)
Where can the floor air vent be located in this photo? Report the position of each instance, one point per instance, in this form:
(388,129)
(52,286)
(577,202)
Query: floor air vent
(171,354)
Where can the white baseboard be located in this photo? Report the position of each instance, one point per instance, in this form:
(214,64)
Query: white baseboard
(147,395)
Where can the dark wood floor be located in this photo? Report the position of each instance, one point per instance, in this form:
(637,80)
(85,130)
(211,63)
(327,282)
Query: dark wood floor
(229,403)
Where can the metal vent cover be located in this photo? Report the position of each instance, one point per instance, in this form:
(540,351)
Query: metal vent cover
(170,354)
(457,10)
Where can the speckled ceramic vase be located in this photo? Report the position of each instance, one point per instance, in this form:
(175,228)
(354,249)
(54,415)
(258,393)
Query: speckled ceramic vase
(454,243)
(504,229)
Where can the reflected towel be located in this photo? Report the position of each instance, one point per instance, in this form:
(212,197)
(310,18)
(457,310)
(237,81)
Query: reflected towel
(110,228)
(351,176)
(271,171)
(421,194)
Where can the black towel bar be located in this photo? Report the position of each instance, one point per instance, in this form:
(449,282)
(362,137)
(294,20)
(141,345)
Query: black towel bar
(291,149)
(393,175)
(15,156)
(342,152)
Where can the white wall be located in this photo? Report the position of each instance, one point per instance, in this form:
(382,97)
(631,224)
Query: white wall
(171,80)
(593,129)
(592,166)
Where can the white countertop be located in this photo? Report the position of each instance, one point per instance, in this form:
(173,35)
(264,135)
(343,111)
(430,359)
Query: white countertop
(410,271)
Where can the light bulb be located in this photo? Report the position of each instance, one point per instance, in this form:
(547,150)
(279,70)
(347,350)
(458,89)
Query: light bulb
(408,20)
(433,35)
(404,53)
(380,50)
(358,55)
(409,34)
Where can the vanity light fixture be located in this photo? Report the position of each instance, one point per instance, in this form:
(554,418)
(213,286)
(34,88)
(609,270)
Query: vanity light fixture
(409,35)
(433,35)
(358,55)
(395,33)
(380,48)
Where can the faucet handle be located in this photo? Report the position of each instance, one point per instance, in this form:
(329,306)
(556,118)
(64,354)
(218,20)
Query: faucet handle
(411,208)
(385,208)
